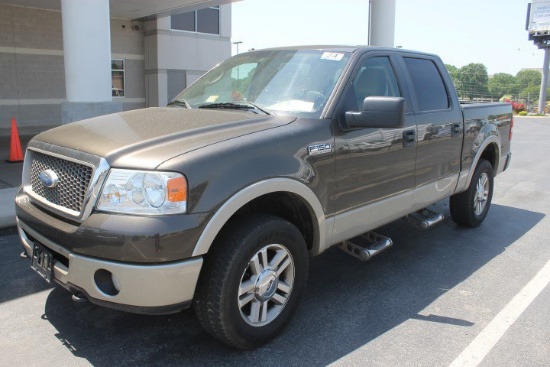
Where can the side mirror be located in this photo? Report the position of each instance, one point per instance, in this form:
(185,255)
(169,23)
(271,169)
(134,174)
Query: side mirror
(378,112)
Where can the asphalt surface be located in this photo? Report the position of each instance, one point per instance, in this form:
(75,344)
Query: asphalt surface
(443,296)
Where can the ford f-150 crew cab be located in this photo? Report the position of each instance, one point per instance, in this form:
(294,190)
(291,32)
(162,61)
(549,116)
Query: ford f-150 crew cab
(219,199)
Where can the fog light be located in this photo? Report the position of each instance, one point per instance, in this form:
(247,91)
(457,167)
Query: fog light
(116,282)
(106,282)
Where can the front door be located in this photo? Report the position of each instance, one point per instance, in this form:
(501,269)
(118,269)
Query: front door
(373,164)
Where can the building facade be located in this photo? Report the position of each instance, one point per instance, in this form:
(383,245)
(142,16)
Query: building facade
(181,47)
(151,60)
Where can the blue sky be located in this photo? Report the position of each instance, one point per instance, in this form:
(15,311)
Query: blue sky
(491,32)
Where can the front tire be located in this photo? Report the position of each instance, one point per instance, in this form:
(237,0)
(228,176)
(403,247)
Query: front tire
(470,207)
(252,280)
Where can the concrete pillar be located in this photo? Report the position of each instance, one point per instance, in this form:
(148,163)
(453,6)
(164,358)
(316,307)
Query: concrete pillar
(544,80)
(157,43)
(87,56)
(382,23)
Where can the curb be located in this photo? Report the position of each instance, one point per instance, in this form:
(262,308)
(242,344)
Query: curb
(7,207)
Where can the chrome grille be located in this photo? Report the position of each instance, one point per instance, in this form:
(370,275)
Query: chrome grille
(74,179)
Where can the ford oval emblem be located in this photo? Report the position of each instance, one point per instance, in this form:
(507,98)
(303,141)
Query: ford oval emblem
(48,178)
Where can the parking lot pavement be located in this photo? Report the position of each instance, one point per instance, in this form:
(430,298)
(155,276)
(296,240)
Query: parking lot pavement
(446,296)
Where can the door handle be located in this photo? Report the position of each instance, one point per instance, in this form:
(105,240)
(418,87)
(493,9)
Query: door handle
(409,138)
(457,129)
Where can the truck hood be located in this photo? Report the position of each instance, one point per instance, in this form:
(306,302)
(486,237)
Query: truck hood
(147,137)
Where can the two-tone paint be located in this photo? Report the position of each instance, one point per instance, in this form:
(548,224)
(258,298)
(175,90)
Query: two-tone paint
(333,183)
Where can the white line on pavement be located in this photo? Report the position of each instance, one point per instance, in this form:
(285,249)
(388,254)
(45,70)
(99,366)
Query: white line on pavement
(487,339)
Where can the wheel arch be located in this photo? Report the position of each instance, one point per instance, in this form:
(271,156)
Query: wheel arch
(278,190)
(489,151)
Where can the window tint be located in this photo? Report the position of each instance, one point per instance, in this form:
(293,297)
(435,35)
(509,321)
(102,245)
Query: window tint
(202,21)
(429,88)
(184,22)
(208,21)
(374,78)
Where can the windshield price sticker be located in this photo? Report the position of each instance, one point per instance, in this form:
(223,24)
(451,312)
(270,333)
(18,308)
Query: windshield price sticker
(212,99)
(334,56)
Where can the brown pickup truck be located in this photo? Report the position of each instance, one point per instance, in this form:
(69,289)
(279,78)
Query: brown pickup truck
(218,200)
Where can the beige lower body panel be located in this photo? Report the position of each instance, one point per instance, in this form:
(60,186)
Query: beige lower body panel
(139,285)
(358,221)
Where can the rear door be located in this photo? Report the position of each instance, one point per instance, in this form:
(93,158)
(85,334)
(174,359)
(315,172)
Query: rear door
(438,117)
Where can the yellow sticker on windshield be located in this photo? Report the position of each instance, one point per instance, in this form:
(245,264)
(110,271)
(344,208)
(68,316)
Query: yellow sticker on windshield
(212,99)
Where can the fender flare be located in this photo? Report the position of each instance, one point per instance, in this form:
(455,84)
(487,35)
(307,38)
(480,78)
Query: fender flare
(249,193)
(466,176)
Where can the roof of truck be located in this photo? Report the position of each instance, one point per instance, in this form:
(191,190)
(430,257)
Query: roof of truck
(345,48)
(339,48)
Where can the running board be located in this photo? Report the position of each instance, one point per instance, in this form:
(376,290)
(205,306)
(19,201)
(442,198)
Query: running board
(425,218)
(366,245)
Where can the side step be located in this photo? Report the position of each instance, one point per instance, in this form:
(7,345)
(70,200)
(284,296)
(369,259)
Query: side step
(366,245)
(425,218)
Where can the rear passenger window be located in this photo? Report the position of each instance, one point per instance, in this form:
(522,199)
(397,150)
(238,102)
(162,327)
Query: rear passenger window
(429,88)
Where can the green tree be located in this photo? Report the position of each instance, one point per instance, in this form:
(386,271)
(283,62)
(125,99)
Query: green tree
(502,84)
(527,78)
(473,81)
(453,72)
(532,93)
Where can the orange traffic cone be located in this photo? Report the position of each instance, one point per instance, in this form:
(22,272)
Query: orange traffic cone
(16,154)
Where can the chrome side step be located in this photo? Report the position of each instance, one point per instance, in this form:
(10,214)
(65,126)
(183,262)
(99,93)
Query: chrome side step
(425,218)
(366,245)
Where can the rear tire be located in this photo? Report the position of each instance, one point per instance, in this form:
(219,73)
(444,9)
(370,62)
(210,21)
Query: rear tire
(252,280)
(470,207)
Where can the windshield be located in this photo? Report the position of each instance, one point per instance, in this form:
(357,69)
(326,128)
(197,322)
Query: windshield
(273,81)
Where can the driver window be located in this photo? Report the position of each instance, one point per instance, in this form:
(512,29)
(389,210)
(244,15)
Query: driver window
(374,78)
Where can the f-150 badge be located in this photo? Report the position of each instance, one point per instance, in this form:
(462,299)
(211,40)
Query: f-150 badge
(319,149)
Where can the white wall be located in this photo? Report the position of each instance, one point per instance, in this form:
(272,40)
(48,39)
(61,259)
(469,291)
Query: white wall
(191,54)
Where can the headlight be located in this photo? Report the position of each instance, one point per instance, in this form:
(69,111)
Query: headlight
(143,192)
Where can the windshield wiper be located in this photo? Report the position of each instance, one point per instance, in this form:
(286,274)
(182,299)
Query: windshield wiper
(177,102)
(235,106)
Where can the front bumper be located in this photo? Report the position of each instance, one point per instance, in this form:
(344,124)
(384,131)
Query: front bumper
(115,237)
(153,289)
